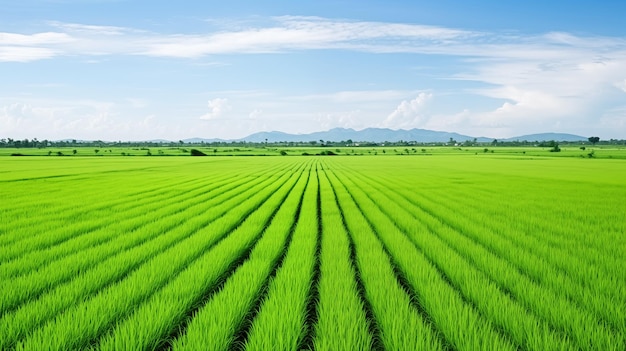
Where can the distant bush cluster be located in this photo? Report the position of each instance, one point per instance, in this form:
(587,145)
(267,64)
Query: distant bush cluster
(196,152)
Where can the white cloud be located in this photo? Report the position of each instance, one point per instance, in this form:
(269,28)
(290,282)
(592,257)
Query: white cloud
(217,108)
(348,119)
(289,33)
(36,119)
(91,29)
(25,48)
(33,39)
(284,34)
(24,54)
(255,114)
(79,119)
(301,33)
(409,113)
(538,94)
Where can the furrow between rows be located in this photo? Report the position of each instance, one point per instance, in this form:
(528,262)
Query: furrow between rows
(31,285)
(401,325)
(342,322)
(281,322)
(221,322)
(516,291)
(46,238)
(59,205)
(32,314)
(85,322)
(460,322)
(559,270)
(152,210)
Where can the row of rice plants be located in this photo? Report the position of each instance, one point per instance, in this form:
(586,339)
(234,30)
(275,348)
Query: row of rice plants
(126,221)
(342,322)
(61,201)
(281,323)
(587,216)
(401,326)
(588,211)
(27,262)
(580,325)
(458,320)
(29,316)
(84,219)
(141,228)
(571,224)
(94,209)
(216,325)
(586,285)
(79,325)
(98,183)
(549,303)
(571,230)
(583,217)
(165,312)
(524,328)
(600,293)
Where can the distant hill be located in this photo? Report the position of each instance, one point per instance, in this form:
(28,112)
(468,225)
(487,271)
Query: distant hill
(547,137)
(376,135)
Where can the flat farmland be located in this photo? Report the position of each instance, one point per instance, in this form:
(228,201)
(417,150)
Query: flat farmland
(424,252)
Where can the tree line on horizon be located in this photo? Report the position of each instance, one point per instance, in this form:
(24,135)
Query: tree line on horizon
(41,144)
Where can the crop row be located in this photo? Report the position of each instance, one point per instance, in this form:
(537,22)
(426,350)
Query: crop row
(62,262)
(539,314)
(127,272)
(306,253)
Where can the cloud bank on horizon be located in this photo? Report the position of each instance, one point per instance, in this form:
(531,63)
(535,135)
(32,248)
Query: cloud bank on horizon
(185,74)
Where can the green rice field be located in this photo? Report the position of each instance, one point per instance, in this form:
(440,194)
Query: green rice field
(448,251)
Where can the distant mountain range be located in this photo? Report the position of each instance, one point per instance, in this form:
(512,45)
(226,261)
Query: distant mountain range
(548,136)
(380,135)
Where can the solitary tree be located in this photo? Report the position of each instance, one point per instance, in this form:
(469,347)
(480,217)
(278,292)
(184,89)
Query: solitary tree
(593,140)
(554,146)
(196,152)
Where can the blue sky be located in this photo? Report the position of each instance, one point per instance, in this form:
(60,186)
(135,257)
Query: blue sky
(137,70)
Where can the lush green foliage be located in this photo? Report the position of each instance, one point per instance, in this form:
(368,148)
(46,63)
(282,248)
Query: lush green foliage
(528,150)
(453,250)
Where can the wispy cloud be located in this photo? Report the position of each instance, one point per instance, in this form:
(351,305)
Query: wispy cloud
(92,29)
(15,39)
(283,34)
(291,33)
(302,33)
(24,54)
(30,47)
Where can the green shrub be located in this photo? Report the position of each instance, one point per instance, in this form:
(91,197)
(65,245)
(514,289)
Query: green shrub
(196,152)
